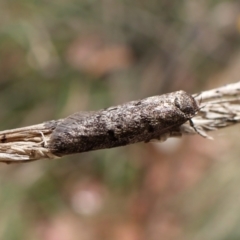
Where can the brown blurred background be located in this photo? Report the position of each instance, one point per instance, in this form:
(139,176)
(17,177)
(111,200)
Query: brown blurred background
(62,56)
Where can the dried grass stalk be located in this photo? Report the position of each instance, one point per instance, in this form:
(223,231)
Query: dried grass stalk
(219,108)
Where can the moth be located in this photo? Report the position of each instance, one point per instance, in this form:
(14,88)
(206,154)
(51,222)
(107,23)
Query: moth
(132,122)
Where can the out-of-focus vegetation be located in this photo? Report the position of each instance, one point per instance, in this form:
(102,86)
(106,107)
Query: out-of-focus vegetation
(59,57)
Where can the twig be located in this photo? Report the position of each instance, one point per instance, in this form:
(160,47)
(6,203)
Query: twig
(217,108)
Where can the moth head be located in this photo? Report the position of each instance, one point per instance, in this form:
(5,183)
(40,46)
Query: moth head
(186,103)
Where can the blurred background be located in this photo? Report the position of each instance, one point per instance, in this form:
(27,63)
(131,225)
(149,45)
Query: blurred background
(59,57)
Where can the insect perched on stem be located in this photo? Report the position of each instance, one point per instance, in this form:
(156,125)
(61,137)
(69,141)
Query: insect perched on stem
(132,122)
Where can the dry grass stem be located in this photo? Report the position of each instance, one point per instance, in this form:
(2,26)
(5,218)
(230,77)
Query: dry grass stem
(219,108)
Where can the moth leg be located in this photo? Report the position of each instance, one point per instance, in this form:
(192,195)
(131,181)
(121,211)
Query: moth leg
(196,130)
